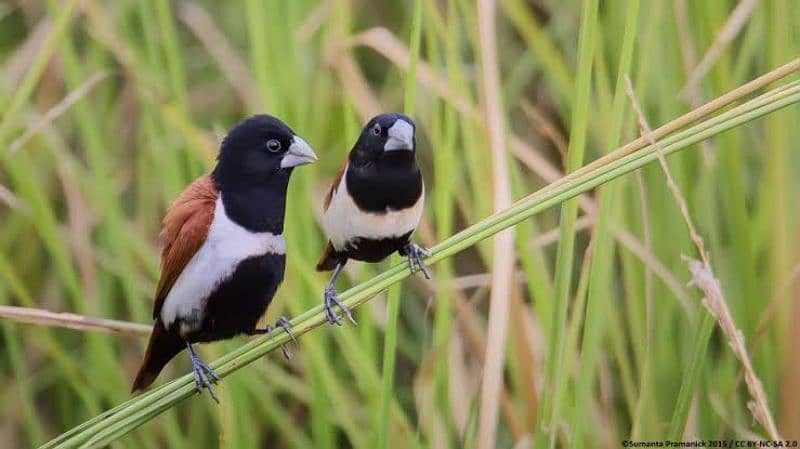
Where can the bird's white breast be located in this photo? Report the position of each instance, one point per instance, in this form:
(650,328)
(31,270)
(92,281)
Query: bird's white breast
(344,222)
(226,245)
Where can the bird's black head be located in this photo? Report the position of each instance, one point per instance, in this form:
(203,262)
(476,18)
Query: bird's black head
(386,139)
(258,152)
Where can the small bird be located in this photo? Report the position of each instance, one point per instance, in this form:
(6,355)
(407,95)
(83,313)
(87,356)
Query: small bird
(223,252)
(374,204)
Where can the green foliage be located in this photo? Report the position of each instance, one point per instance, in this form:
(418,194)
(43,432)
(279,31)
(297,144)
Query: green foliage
(601,348)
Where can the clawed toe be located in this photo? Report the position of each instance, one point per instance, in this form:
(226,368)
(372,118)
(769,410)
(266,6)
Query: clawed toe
(330,314)
(204,377)
(415,255)
(331,301)
(286,325)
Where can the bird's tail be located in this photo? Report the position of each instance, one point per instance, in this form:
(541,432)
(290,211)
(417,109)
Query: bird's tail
(163,346)
(328,259)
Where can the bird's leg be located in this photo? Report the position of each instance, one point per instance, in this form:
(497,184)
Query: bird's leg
(284,324)
(204,376)
(331,299)
(416,254)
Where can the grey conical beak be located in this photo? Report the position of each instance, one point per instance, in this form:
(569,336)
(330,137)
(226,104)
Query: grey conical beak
(401,137)
(300,153)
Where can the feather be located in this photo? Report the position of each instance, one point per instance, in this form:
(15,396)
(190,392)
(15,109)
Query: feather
(184,231)
(334,185)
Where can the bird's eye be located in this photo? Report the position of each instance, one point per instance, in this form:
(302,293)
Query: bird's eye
(376,129)
(273,145)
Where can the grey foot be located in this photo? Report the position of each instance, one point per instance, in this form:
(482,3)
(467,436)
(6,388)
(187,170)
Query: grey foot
(204,377)
(284,324)
(415,255)
(331,300)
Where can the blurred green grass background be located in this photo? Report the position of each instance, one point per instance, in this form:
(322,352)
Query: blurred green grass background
(149,87)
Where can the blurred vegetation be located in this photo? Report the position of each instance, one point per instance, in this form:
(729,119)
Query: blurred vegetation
(109,108)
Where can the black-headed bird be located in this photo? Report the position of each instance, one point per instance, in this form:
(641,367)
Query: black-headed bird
(223,252)
(374,204)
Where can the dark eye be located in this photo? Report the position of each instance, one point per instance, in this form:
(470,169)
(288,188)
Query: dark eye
(376,129)
(273,145)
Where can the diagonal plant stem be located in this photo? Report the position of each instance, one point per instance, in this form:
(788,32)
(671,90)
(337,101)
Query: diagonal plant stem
(113,424)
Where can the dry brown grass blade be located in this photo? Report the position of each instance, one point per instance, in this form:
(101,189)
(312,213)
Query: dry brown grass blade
(704,279)
(79,228)
(462,387)
(736,21)
(525,356)
(19,63)
(227,57)
(629,242)
(526,442)
(687,46)
(545,127)
(355,83)
(60,108)
(552,235)
(790,382)
(389,46)
(431,423)
(604,405)
(101,27)
(773,307)
(691,91)
(626,240)
(313,22)
(503,255)
(73,321)
(8,197)
(481,280)
(471,327)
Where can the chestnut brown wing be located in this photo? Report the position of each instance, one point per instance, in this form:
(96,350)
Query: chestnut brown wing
(334,185)
(183,232)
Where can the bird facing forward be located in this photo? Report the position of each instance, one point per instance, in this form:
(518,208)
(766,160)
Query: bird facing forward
(223,252)
(374,204)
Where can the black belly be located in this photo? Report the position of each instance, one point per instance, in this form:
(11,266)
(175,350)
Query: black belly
(374,250)
(240,301)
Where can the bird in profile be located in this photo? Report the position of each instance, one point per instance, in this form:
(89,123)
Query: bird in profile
(223,252)
(374,204)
